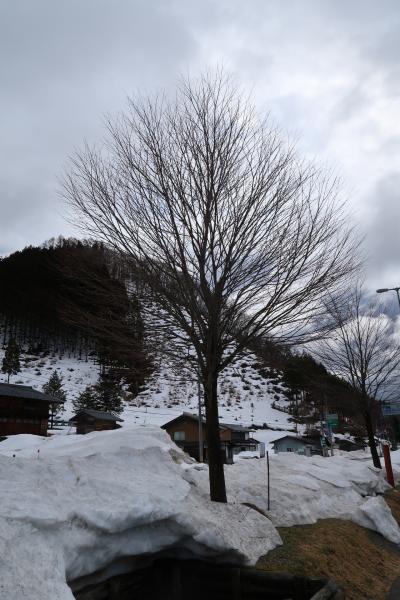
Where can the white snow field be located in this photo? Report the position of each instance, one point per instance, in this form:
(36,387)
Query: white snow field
(85,503)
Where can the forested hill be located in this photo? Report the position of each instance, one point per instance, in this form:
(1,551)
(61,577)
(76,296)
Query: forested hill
(68,296)
(69,299)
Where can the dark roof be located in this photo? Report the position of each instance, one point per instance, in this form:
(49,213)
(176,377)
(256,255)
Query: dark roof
(345,441)
(234,427)
(231,426)
(97,414)
(291,437)
(26,392)
(251,440)
(306,439)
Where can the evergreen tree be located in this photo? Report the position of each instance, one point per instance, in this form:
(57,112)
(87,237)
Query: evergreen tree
(108,394)
(54,387)
(11,364)
(86,399)
(105,395)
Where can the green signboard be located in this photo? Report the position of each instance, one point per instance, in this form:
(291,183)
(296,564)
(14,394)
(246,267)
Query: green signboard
(333,420)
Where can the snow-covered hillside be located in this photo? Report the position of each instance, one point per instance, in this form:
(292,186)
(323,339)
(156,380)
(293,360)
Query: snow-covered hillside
(245,394)
(37,368)
(246,391)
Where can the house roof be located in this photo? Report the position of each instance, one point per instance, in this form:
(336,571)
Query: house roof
(97,414)
(344,440)
(188,415)
(306,439)
(26,392)
(290,437)
(251,440)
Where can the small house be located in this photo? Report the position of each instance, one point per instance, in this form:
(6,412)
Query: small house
(298,444)
(184,430)
(87,420)
(24,410)
(347,444)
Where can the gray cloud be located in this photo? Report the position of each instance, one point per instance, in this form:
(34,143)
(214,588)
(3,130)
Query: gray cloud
(64,65)
(327,71)
(383,233)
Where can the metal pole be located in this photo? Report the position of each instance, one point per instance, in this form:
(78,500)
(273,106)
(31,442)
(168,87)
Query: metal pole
(268,496)
(398,295)
(386,452)
(201,445)
(395,289)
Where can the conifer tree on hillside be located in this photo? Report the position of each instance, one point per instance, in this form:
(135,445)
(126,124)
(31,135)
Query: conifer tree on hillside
(105,395)
(54,387)
(108,394)
(86,399)
(11,364)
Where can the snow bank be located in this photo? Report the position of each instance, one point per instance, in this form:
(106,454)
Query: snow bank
(83,503)
(305,489)
(375,514)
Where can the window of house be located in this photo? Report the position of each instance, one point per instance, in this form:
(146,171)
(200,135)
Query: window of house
(179,436)
(290,450)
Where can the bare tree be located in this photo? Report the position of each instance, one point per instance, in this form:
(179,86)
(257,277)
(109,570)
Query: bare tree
(235,237)
(363,351)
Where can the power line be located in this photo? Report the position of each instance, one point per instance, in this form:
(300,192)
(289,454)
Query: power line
(148,412)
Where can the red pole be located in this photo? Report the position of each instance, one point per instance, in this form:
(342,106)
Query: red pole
(388,464)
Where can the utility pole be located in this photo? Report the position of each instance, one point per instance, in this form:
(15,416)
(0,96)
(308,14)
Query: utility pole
(328,426)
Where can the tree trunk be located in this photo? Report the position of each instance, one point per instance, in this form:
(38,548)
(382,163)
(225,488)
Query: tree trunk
(371,439)
(214,454)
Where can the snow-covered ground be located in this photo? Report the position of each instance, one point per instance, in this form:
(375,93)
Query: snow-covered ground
(84,503)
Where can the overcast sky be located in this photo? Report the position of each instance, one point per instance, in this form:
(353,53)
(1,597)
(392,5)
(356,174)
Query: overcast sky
(327,70)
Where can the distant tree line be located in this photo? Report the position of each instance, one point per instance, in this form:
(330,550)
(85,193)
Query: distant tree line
(313,390)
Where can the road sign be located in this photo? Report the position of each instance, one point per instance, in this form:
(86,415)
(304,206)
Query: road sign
(333,420)
(391,408)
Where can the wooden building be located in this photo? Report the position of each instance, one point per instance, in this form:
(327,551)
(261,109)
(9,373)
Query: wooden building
(348,445)
(24,410)
(87,420)
(184,430)
(301,444)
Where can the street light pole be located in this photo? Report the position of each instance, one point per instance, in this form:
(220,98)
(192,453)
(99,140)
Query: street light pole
(395,289)
(382,291)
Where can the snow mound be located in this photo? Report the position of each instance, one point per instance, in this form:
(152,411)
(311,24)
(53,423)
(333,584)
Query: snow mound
(84,503)
(305,489)
(375,514)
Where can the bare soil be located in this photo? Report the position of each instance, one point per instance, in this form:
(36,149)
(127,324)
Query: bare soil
(361,561)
